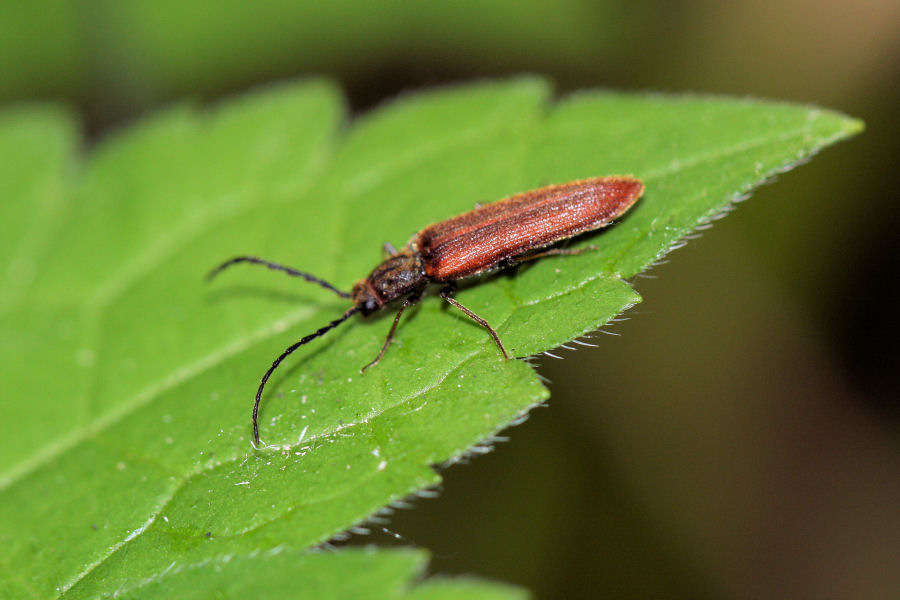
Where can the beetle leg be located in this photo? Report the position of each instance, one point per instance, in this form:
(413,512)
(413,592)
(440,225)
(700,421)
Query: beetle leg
(447,293)
(408,301)
(388,250)
(552,252)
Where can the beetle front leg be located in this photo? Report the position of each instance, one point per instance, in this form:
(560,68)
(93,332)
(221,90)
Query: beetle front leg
(409,301)
(388,250)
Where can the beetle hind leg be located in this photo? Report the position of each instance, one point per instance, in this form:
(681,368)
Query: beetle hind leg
(552,252)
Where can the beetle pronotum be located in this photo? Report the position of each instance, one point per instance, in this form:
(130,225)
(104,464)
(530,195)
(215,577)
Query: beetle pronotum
(493,236)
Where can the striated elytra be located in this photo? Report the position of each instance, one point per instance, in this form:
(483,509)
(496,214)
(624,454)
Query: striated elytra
(493,236)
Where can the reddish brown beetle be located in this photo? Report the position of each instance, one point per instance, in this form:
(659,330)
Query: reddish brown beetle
(492,236)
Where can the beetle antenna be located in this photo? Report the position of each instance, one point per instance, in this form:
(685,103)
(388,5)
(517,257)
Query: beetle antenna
(262,384)
(276,267)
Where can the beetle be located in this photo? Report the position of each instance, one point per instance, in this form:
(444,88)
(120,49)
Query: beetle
(492,236)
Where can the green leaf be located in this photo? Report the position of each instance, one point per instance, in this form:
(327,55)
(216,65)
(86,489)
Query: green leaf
(287,573)
(127,381)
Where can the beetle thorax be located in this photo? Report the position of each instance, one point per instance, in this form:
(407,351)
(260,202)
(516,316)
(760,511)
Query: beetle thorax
(398,276)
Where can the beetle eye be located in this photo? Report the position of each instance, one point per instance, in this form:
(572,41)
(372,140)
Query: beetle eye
(371,305)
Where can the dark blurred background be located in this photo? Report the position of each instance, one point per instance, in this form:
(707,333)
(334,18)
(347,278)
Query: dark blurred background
(739,438)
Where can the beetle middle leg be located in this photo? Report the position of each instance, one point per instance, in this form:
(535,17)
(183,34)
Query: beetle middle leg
(447,294)
(408,301)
